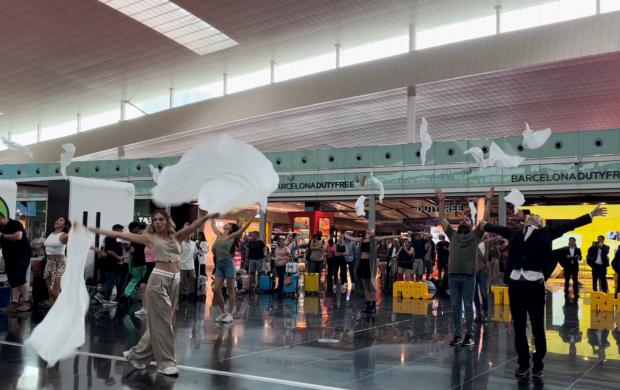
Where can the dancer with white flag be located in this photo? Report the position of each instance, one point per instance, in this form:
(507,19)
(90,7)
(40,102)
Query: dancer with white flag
(62,330)
(162,290)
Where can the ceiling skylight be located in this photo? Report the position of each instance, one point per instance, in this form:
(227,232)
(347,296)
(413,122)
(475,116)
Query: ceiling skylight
(174,22)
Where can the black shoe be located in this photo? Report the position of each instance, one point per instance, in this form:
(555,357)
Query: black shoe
(537,374)
(455,341)
(522,372)
(467,341)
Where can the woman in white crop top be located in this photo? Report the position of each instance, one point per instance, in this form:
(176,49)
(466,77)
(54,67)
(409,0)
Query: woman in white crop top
(55,245)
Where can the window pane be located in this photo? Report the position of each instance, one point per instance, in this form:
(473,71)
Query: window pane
(306,66)
(456,32)
(610,5)
(375,50)
(249,81)
(553,12)
(25,138)
(102,119)
(204,92)
(59,130)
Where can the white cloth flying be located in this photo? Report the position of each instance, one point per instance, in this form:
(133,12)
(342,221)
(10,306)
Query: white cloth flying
(17,147)
(474,212)
(425,139)
(223,174)
(498,158)
(379,184)
(534,139)
(478,155)
(360,207)
(66,157)
(516,198)
(62,330)
(155,172)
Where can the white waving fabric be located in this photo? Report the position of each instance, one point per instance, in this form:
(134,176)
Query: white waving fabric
(516,198)
(535,139)
(498,158)
(379,184)
(17,147)
(222,175)
(66,157)
(360,208)
(474,212)
(478,155)
(155,172)
(425,139)
(62,330)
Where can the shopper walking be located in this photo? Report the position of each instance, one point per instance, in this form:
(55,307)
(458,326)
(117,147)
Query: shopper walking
(341,264)
(350,259)
(317,253)
(55,250)
(188,269)
(255,253)
(443,253)
(598,260)
(429,257)
(332,266)
(282,255)
(137,262)
(16,253)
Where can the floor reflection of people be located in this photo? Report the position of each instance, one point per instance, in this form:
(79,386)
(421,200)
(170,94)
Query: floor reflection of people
(569,331)
(11,356)
(598,339)
(217,362)
(463,361)
(364,339)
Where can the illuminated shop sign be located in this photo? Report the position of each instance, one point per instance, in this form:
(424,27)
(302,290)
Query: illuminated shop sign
(565,176)
(318,185)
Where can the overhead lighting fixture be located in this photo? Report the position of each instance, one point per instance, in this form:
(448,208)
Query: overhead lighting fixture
(174,22)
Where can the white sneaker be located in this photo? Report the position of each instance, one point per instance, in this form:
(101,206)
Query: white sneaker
(227,318)
(141,312)
(169,371)
(136,364)
(109,303)
(220,317)
(344,287)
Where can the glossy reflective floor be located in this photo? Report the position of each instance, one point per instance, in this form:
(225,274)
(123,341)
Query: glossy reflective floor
(322,343)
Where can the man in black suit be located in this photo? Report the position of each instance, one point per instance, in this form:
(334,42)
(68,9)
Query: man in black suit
(598,259)
(530,263)
(569,257)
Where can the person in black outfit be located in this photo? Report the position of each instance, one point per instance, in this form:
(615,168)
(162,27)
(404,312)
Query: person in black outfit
(443,253)
(598,259)
(16,252)
(530,263)
(569,257)
(111,266)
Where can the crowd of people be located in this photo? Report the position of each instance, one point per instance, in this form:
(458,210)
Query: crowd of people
(159,266)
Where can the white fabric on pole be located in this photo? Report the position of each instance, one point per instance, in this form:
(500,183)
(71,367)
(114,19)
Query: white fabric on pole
(379,184)
(474,212)
(478,155)
(155,172)
(498,158)
(17,147)
(425,139)
(222,174)
(66,157)
(516,198)
(360,208)
(535,139)
(62,330)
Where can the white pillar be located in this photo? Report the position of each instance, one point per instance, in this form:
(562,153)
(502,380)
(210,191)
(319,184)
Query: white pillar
(38,132)
(338,54)
(79,122)
(122,110)
(501,209)
(225,83)
(171,98)
(498,18)
(372,209)
(411,128)
(273,71)
(598,7)
(262,225)
(411,37)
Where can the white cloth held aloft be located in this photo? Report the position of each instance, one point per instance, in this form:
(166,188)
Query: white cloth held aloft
(516,198)
(66,157)
(155,172)
(17,147)
(62,330)
(474,212)
(478,155)
(498,158)
(379,184)
(425,139)
(360,206)
(223,174)
(535,139)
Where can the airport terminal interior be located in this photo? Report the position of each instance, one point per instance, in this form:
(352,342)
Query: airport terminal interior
(328,195)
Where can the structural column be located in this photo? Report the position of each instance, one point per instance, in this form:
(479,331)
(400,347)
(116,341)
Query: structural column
(411,128)
(338,54)
(372,208)
(498,18)
(598,7)
(501,210)
(262,225)
(171,98)
(411,37)
(225,83)
(123,114)
(79,122)
(273,71)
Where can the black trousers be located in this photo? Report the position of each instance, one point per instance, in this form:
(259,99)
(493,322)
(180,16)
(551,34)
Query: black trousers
(528,298)
(599,273)
(571,272)
(332,272)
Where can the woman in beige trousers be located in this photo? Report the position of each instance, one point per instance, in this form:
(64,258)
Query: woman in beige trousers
(162,290)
